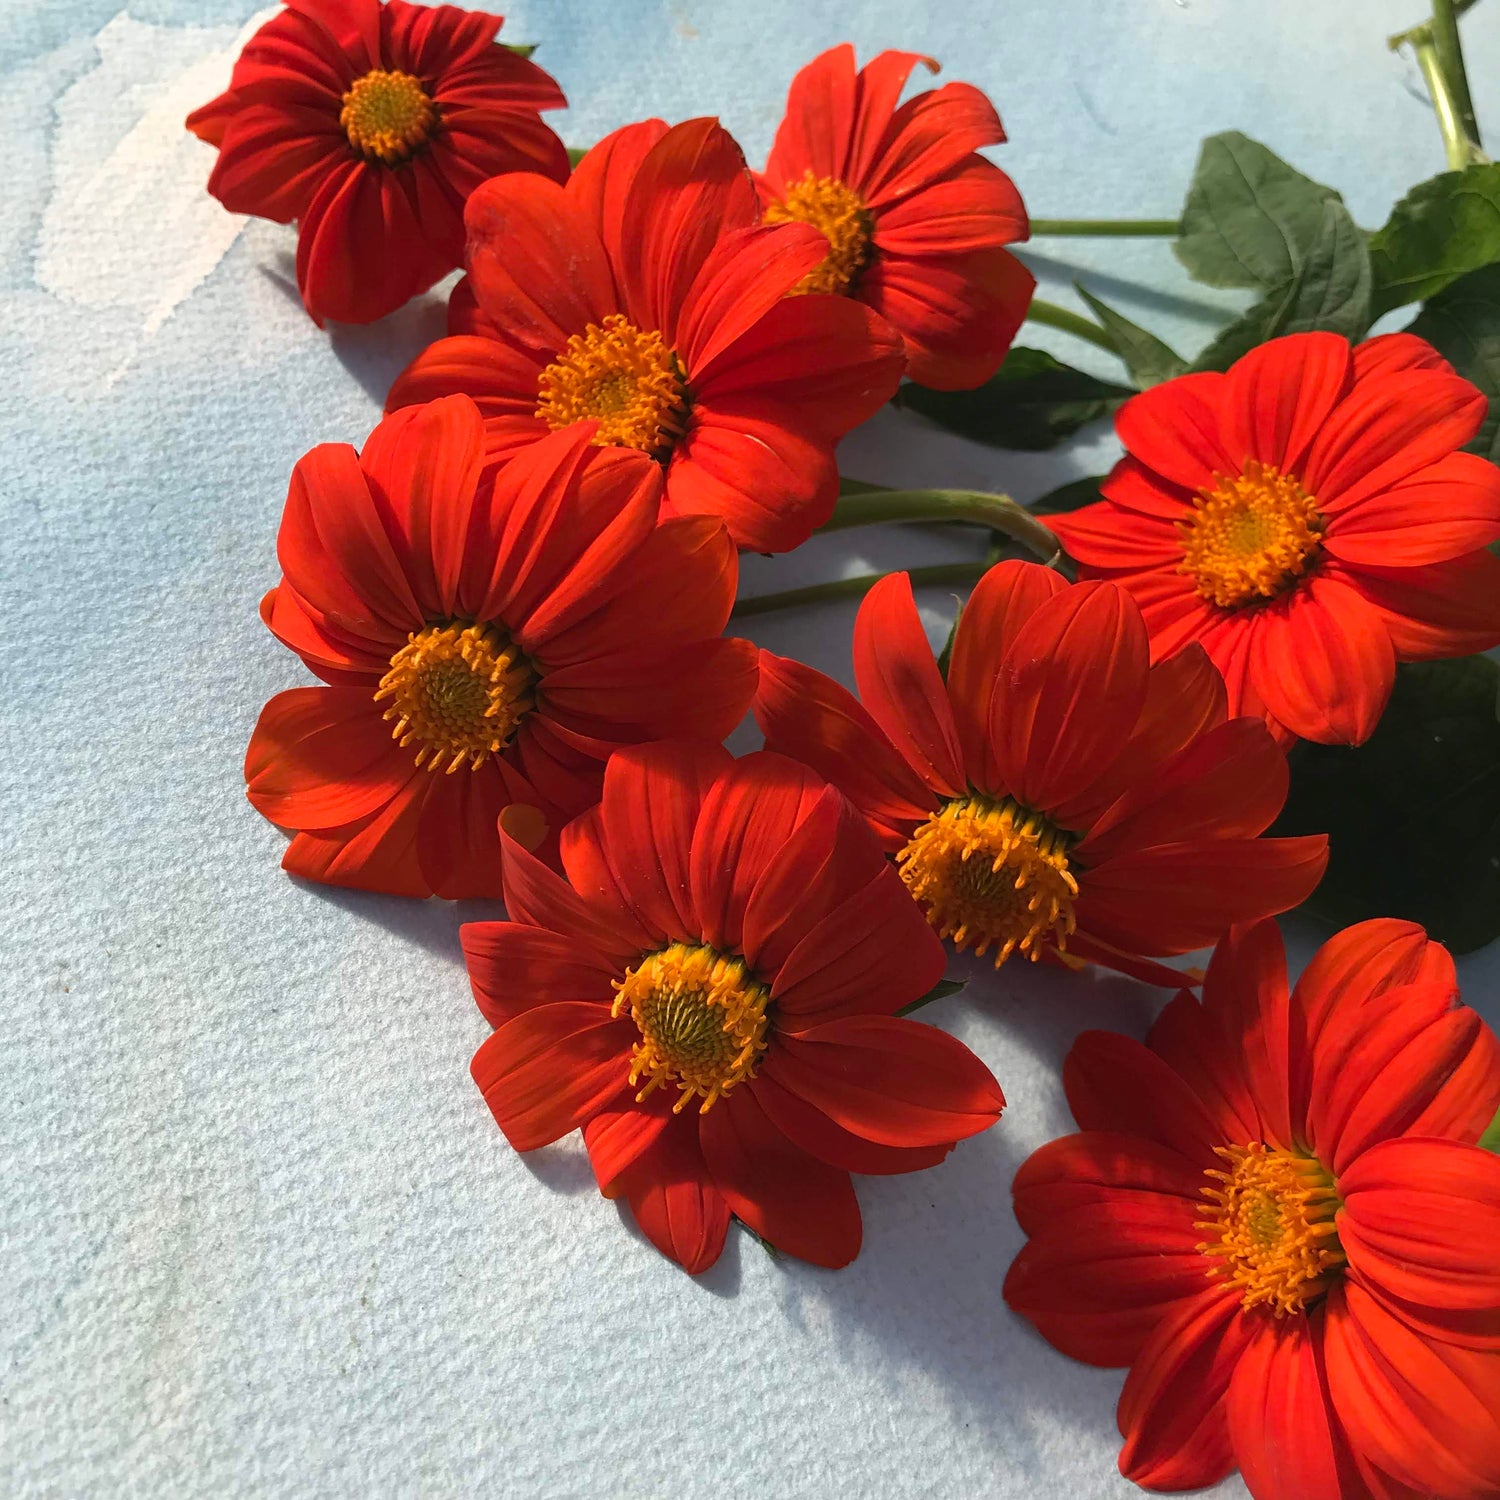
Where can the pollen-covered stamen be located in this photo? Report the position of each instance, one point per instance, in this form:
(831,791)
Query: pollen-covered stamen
(1250,537)
(702,1020)
(458,692)
(625,378)
(1271,1217)
(836,210)
(387,116)
(992,874)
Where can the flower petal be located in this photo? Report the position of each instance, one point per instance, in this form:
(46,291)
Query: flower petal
(1176,430)
(814,719)
(513,968)
(1278,396)
(1072,687)
(673,1197)
(1444,609)
(1420,1222)
(1322,660)
(1176,897)
(1172,1407)
(801,1205)
(1002,602)
(547,1070)
(1449,508)
(320,757)
(893,1081)
(900,685)
(375,853)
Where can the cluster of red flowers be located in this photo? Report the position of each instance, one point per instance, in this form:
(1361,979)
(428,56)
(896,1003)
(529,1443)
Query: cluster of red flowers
(515,597)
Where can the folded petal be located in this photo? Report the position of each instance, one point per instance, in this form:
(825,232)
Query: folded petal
(673,1197)
(375,853)
(1172,1411)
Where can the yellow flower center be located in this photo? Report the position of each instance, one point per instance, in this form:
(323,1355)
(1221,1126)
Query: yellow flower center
(1272,1218)
(459,691)
(840,214)
(625,378)
(994,875)
(702,1021)
(1250,537)
(387,116)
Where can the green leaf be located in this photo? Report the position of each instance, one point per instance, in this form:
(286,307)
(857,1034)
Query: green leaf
(940,991)
(1441,230)
(1148,359)
(1463,324)
(576,154)
(1249,218)
(521,49)
(1490,1140)
(1330,290)
(945,656)
(1413,815)
(1033,402)
(1071,496)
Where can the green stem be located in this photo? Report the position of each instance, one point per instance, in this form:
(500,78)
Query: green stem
(857,588)
(1109,228)
(1049,315)
(1439,55)
(998,512)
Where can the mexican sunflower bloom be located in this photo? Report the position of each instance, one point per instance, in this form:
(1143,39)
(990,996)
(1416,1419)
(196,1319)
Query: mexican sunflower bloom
(710,994)
(916,221)
(485,647)
(643,297)
(1308,517)
(370,124)
(1054,797)
(1276,1214)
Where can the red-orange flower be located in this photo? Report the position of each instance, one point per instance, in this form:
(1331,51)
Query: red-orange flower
(1054,797)
(711,994)
(1308,518)
(370,124)
(484,645)
(1276,1214)
(642,297)
(916,221)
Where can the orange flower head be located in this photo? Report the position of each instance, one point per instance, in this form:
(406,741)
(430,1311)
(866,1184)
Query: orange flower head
(1276,1213)
(368,123)
(646,299)
(485,647)
(1310,519)
(710,991)
(1055,798)
(915,223)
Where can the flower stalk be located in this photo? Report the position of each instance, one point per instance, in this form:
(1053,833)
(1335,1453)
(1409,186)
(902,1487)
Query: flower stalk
(1439,53)
(867,505)
(858,587)
(1108,228)
(1050,315)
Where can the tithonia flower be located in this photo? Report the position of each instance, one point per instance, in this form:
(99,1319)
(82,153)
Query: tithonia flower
(370,124)
(641,297)
(1276,1214)
(711,993)
(1055,796)
(916,220)
(1308,518)
(485,647)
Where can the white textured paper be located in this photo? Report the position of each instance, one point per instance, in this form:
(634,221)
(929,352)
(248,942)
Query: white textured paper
(261,1237)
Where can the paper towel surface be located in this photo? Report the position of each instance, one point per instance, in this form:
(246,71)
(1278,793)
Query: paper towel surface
(261,1235)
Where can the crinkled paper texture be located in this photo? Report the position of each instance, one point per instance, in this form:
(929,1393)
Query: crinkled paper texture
(261,1235)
